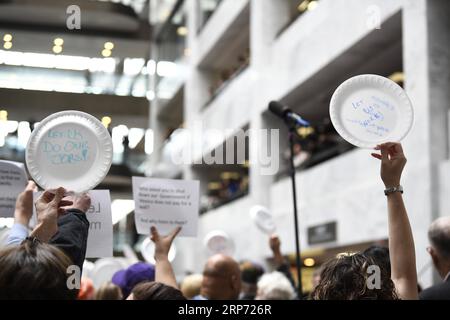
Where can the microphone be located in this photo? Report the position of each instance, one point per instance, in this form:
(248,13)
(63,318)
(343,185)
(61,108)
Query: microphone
(286,114)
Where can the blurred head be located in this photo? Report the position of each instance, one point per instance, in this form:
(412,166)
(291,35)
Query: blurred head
(250,274)
(87,289)
(221,278)
(380,255)
(34,270)
(133,275)
(439,236)
(155,291)
(275,286)
(108,291)
(191,285)
(346,278)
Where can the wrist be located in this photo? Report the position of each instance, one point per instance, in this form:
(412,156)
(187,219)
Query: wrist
(21,218)
(44,232)
(393,190)
(161,257)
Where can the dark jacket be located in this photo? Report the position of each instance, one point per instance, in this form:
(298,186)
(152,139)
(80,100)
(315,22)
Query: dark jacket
(72,236)
(438,292)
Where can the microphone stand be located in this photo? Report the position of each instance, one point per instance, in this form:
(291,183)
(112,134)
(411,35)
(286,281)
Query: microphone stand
(292,133)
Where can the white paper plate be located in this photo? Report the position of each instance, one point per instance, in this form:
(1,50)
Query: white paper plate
(71,149)
(263,219)
(148,251)
(218,241)
(367,110)
(105,268)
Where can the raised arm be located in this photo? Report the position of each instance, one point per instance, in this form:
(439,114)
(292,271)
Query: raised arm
(22,215)
(281,264)
(401,242)
(163,269)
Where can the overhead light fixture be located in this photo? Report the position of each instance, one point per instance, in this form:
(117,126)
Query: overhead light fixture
(312,5)
(57,49)
(3,115)
(106,121)
(397,77)
(135,136)
(106,53)
(303,6)
(133,66)
(7,45)
(58,42)
(109,45)
(182,31)
(7,37)
(166,69)
(309,262)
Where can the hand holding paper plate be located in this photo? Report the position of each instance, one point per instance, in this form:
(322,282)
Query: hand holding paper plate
(368,110)
(263,219)
(69,149)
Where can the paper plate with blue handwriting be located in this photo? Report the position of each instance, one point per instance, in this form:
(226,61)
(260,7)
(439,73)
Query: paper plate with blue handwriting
(69,149)
(368,110)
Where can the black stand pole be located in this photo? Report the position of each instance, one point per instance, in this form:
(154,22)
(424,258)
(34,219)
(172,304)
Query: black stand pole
(297,235)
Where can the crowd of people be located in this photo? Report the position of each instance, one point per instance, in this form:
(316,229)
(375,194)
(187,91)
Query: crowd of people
(38,265)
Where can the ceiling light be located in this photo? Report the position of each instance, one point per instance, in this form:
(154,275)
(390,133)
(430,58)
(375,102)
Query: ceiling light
(106,53)
(397,77)
(312,5)
(58,42)
(109,45)
(57,49)
(182,31)
(3,115)
(106,121)
(309,262)
(302,7)
(7,38)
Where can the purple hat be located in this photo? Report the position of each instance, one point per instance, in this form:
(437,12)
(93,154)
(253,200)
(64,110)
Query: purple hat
(139,272)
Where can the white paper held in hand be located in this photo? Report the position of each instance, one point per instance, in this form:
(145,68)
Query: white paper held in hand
(166,204)
(368,110)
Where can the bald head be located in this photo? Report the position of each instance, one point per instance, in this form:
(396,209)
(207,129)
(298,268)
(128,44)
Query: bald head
(221,278)
(224,264)
(439,235)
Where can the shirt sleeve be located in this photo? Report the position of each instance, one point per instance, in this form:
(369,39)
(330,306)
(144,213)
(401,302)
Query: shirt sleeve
(17,234)
(72,236)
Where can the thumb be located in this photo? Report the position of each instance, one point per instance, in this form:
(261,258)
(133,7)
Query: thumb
(31,186)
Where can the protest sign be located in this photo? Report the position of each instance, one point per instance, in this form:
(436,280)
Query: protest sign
(13,180)
(166,204)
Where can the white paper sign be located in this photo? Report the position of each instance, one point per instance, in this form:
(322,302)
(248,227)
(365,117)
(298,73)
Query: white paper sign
(166,204)
(13,180)
(100,236)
